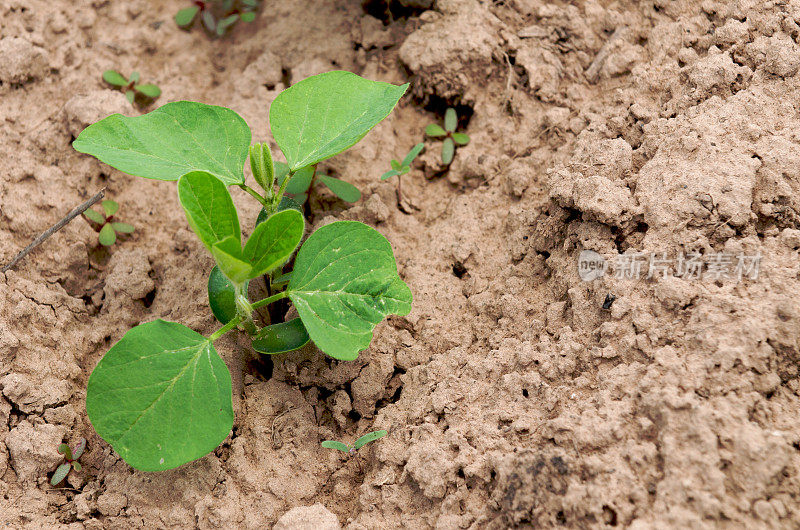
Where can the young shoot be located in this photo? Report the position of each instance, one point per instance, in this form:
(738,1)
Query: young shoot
(105,225)
(71,456)
(161,396)
(351,450)
(218,17)
(448,133)
(143,94)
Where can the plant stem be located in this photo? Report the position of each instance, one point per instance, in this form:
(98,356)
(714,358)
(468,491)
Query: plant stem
(266,301)
(224,329)
(255,194)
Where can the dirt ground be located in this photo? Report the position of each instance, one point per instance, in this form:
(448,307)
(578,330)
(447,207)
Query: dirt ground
(515,393)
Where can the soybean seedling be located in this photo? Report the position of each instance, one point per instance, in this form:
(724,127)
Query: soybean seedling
(132,88)
(358,444)
(401,168)
(71,455)
(218,16)
(161,396)
(105,225)
(449,134)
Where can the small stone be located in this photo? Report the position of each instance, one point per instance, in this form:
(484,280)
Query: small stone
(21,61)
(315,517)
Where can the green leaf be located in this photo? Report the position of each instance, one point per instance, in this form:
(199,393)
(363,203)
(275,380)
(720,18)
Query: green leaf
(395,164)
(344,190)
(367,438)
(185,17)
(110,208)
(130,95)
(274,241)
(281,338)
(344,282)
(77,466)
(225,23)
(80,447)
(435,130)
(134,77)
(209,21)
(228,255)
(448,149)
(112,77)
(332,444)
(209,208)
(60,474)
(461,138)
(170,141)
(325,114)
(107,236)
(450,119)
(262,167)
(221,296)
(414,153)
(281,281)
(122,228)
(161,396)
(288,203)
(148,90)
(300,181)
(95,216)
(65,450)
(248,16)
(389,174)
(250,3)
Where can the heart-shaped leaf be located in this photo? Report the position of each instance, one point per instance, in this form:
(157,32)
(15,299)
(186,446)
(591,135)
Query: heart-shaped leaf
(171,141)
(281,338)
(110,207)
(221,296)
(342,189)
(325,114)
(209,208)
(161,396)
(344,282)
(274,241)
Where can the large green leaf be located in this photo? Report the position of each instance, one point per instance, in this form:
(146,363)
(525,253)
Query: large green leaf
(344,282)
(209,208)
(161,396)
(325,114)
(273,241)
(281,338)
(171,141)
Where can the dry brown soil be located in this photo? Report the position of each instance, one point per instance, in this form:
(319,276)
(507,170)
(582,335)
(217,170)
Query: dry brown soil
(512,396)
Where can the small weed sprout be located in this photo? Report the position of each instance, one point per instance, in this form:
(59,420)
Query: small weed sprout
(71,455)
(351,450)
(302,182)
(401,168)
(105,225)
(449,134)
(143,93)
(218,16)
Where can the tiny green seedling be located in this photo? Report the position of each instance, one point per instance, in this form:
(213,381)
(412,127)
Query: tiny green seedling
(352,449)
(143,93)
(451,137)
(218,16)
(401,168)
(71,455)
(105,225)
(301,183)
(161,396)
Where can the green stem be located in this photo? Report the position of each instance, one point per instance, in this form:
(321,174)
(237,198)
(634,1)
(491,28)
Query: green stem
(281,191)
(266,301)
(224,329)
(255,194)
